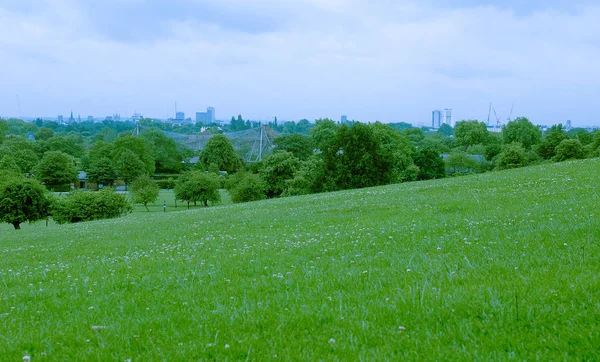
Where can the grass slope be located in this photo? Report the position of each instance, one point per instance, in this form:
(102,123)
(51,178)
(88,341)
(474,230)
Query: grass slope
(498,266)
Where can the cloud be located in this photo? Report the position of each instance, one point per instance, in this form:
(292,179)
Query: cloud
(386,60)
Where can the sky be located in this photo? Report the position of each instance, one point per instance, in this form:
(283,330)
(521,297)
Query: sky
(372,60)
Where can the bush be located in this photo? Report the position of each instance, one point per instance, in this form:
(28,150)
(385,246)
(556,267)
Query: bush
(569,149)
(198,186)
(249,187)
(513,156)
(80,206)
(143,191)
(22,200)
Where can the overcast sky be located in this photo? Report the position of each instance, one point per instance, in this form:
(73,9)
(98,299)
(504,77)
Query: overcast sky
(387,60)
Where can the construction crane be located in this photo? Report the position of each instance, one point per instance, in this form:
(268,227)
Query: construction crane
(489,113)
(497,118)
(511,112)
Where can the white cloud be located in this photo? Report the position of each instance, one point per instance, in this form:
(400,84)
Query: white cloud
(386,60)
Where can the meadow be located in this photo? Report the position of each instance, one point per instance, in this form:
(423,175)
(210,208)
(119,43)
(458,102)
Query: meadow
(499,266)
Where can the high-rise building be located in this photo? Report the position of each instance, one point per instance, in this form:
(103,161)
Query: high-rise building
(61,119)
(344,119)
(211,114)
(207,117)
(448,116)
(179,116)
(436,119)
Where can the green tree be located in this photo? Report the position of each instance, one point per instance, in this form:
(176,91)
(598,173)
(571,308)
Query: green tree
(446,130)
(22,200)
(56,168)
(168,158)
(9,168)
(461,162)
(69,145)
(129,166)
(468,133)
(102,171)
(277,168)
(323,134)
(220,151)
(137,145)
(80,206)
(513,156)
(547,148)
(415,135)
(44,134)
(569,149)
(143,191)
(431,164)
(523,131)
(198,186)
(3,129)
(300,146)
(246,187)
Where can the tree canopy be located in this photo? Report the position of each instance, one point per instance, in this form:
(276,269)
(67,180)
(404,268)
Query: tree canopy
(56,168)
(22,200)
(220,151)
(523,131)
(469,133)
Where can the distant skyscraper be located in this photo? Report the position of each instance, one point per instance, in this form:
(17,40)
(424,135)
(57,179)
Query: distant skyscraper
(344,119)
(207,117)
(179,116)
(436,119)
(61,119)
(448,116)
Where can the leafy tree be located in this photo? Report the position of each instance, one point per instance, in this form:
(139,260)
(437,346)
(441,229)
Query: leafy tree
(80,206)
(468,133)
(523,131)
(431,164)
(303,126)
(69,145)
(22,200)
(547,148)
(198,186)
(44,134)
(246,187)
(415,135)
(9,168)
(129,166)
(513,156)
(300,146)
(3,129)
(56,168)
(461,162)
(168,158)
(582,135)
(397,149)
(277,168)
(308,179)
(446,130)
(143,191)
(220,151)
(491,151)
(102,171)
(137,145)
(569,149)
(323,134)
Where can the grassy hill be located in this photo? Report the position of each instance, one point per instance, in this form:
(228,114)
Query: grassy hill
(499,266)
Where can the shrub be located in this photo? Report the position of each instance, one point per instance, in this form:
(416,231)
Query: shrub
(569,149)
(513,156)
(79,206)
(249,187)
(22,200)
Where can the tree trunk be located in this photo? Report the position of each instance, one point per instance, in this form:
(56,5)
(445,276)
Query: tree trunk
(17,225)
(188,205)
(146,206)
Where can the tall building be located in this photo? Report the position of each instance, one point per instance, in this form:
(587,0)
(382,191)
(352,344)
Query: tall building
(71,119)
(179,116)
(207,117)
(448,116)
(61,119)
(344,119)
(436,119)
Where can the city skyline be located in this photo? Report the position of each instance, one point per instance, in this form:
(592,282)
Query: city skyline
(371,60)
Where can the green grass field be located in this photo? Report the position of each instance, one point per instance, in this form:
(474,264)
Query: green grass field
(499,266)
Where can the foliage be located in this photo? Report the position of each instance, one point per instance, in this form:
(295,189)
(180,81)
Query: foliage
(460,162)
(102,172)
(415,135)
(307,180)
(246,187)
(80,206)
(70,145)
(323,133)
(143,190)
(523,131)
(9,168)
(300,146)
(569,149)
(431,164)
(43,134)
(277,168)
(492,150)
(446,130)
(22,200)
(3,129)
(468,133)
(513,156)
(139,146)
(129,166)
(198,186)
(220,151)
(55,168)
(547,148)
(165,151)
